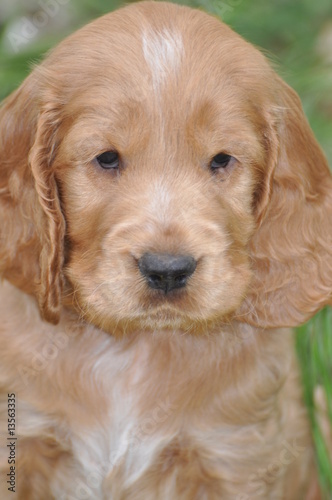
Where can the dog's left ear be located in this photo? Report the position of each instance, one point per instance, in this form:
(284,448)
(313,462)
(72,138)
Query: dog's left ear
(31,222)
(292,247)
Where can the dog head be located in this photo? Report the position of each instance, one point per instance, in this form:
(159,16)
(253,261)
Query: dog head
(156,173)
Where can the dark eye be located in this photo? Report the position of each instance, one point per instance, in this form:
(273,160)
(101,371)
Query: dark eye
(221,160)
(108,160)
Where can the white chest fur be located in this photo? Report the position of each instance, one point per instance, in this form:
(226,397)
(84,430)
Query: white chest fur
(126,415)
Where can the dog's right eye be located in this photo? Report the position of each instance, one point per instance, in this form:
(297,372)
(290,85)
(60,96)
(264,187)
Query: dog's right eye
(220,161)
(109,160)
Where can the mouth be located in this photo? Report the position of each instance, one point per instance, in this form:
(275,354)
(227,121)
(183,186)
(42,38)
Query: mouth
(175,300)
(173,311)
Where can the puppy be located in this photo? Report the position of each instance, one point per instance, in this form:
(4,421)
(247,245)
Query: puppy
(165,213)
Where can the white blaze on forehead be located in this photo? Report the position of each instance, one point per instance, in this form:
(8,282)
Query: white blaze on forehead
(163,53)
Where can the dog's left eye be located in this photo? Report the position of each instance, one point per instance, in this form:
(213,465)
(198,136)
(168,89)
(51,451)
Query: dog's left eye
(109,160)
(221,160)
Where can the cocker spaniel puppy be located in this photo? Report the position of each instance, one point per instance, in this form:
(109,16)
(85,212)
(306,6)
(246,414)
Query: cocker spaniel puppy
(165,212)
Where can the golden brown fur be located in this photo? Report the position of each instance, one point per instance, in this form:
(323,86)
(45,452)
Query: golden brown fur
(124,392)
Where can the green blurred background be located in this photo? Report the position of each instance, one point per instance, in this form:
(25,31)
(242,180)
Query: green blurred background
(297,37)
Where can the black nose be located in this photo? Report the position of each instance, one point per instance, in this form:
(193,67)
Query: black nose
(166,272)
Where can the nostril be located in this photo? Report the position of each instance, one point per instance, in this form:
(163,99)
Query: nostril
(166,272)
(154,279)
(181,278)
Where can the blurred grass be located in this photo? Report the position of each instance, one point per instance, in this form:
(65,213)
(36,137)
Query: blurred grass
(289,32)
(314,346)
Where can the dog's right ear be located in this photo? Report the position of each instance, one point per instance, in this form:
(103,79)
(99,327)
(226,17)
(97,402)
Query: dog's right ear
(291,250)
(31,222)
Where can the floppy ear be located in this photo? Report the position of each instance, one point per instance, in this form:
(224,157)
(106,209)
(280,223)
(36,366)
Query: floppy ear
(292,247)
(31,222)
